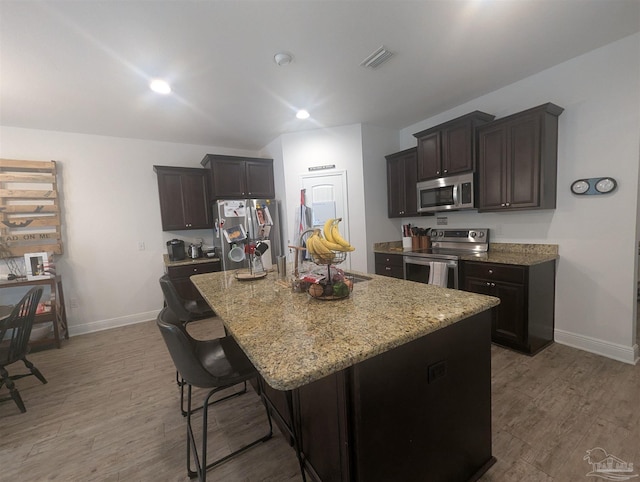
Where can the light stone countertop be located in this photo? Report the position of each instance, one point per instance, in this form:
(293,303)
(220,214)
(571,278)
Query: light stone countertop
(293,339)
(502,253)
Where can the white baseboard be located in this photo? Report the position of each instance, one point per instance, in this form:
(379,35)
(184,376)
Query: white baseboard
(626,354)
(112,323)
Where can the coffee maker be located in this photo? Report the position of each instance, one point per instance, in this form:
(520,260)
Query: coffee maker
(175,248)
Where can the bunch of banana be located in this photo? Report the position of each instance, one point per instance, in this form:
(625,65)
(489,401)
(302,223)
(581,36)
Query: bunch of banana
(316,247)
(324,247)
(333,238)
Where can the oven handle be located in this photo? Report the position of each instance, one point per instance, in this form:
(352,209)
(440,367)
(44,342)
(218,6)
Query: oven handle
(422,261)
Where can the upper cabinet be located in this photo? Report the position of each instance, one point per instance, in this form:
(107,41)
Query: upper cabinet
(517,159)
(401,183)
(184,198)
(449,148)
(240,177)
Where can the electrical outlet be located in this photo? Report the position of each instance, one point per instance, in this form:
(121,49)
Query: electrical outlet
(140,245)
(442,221)
(437,370)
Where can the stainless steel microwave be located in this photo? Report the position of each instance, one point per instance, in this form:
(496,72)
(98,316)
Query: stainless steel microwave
(446,193)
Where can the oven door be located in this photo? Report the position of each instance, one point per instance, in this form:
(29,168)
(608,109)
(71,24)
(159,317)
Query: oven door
(433,199)
(418,269)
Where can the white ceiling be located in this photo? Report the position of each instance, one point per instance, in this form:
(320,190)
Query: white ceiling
(84,66)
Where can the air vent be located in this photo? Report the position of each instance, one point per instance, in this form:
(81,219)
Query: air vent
(377,58)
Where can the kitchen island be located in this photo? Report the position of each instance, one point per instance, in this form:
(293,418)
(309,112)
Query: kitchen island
(391,383)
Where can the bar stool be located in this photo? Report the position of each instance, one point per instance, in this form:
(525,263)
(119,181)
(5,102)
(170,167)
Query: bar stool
(215,364)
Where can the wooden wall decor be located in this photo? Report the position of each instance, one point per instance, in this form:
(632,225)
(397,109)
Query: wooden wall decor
(29,208)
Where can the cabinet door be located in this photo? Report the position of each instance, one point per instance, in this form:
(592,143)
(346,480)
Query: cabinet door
(492,167)
(410,181)
(395,187)
(457,148)
(171,200)
(523,181)
(429,157)
(509,324)
(195,192)
(259,179)
(229,179)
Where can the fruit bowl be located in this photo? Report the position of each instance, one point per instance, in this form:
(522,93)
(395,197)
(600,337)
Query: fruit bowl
(336,257)
(336,286)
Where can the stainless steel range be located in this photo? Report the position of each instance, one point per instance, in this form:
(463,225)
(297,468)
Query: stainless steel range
(439,264)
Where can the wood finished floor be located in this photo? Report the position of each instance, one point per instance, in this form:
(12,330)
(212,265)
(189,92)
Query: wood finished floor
(110,413)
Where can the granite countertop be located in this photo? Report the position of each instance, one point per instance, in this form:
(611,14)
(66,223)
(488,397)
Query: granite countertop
(188,261)
(502,253)
(293,339)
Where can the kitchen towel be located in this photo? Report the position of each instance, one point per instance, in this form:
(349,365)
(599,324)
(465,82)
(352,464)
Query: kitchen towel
(438,273)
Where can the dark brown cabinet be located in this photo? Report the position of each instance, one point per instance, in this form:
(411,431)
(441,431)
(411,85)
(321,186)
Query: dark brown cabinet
(240,177)
(402,177)
(524,319)
(180,274)
(390,265)
(449,148)
(517,159)
(398,415)
(184,198)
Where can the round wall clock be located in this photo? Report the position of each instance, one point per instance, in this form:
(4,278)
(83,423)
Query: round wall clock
(580,186)
(605,185)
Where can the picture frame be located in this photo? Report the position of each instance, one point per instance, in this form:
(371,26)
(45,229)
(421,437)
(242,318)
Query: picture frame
(37,266)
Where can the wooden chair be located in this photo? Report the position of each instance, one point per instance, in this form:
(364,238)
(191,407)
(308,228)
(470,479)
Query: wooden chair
(17,330)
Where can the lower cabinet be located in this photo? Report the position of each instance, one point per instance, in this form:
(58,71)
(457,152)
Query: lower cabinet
(524,320)
(390,265)
(179,276)
(418,412)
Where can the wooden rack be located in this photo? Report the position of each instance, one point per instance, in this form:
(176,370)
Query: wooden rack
(29,208)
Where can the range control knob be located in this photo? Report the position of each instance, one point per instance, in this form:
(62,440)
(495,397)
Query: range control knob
(481,234)
(441,233)
(472,234)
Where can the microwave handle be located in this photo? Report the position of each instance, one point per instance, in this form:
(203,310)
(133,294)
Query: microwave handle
(455,194)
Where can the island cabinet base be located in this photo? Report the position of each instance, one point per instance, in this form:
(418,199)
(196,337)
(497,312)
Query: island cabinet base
(420,412)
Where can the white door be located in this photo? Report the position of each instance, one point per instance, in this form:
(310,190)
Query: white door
(326,197)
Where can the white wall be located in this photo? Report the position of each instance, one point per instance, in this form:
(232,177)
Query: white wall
(341,146)
(599,135)
(376,143)
(110,203)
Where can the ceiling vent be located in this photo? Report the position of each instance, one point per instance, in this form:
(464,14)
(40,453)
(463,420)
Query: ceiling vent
(377,58)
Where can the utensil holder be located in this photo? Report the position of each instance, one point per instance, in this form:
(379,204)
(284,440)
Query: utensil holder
(406,242)
(425,242)
(415,242)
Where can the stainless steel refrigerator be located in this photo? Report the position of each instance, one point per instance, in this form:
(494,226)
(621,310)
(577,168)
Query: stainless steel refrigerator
(257,219)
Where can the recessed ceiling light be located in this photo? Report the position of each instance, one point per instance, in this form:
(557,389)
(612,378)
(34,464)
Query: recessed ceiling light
(160,86)
(302,114)
(282,58)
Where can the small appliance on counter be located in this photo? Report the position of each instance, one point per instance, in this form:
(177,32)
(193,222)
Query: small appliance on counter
(175,248)
(195,251)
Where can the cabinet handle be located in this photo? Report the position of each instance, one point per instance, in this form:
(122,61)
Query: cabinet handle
(493,284)
(446,170)
(437,172)
(488,284)
(508,204)
(490,271)
(249,194)
(387,268)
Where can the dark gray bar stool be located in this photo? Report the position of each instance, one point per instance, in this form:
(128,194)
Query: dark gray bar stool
(216,364)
